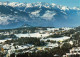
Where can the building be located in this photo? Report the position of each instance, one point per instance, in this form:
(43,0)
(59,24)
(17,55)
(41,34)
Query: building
(74,52)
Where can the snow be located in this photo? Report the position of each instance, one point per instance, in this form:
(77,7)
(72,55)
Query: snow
(52,29)
(57,39)
(35,12)
(71,42)
(5,40)
(3,20)
(13,4)
(32,35)
(53,4)
(75,8)
(16,4)
(52,45)
(29,5)
(65,8)
(46,5)
(22,47)
(49,15)
(66,28)
(36,16)
(39,4)
(6,46)
(5,3)
(0,3)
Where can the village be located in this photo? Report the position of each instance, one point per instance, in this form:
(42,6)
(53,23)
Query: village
(16,42)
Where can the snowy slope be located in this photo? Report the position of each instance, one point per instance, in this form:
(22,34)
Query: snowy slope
(37,14)
(32,35)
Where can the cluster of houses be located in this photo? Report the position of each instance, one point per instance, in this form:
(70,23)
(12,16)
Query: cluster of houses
(9,49)
(74,52)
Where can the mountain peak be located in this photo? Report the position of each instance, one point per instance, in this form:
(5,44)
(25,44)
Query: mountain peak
(37,4)
(37,14)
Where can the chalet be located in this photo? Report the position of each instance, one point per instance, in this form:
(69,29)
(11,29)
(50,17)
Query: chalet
(74,52)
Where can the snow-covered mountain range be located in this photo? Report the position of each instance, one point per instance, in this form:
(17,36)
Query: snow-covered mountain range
(15,14)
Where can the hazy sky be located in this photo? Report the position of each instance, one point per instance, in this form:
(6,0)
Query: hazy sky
(69,3)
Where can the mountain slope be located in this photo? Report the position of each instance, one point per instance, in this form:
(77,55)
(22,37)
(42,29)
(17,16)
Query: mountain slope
(38,14)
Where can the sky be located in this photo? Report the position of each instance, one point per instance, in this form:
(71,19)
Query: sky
(69,3)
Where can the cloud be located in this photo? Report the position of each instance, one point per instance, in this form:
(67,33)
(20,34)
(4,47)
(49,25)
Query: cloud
(49,15)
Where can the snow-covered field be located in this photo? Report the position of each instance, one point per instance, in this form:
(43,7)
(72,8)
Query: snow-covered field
(52,45)
(3,40)
(38,35)
(57,39)
(52,29)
